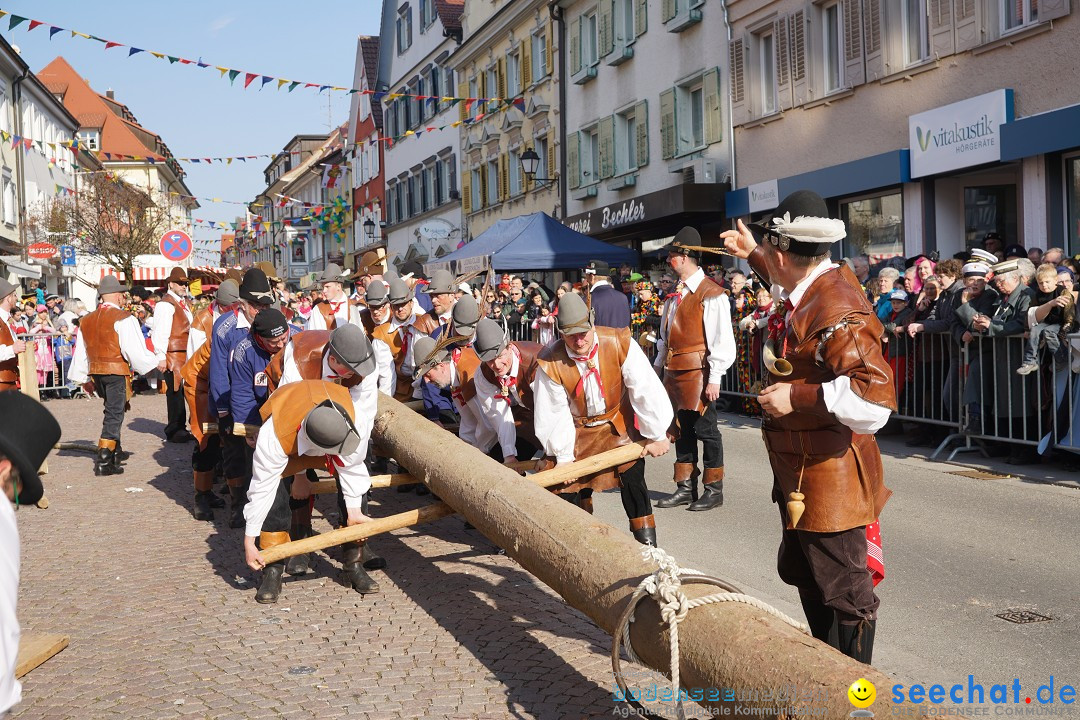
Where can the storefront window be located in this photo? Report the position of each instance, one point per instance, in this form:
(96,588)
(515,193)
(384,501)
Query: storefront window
(875,227)
(1072,198)
(989,208)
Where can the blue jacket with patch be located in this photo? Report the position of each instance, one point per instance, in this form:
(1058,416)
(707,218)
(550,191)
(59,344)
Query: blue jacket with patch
(247,375)
(222,340)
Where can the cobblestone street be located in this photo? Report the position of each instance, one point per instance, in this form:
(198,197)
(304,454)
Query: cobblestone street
(163,622)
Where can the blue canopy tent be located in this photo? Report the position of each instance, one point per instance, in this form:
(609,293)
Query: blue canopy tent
(531,242)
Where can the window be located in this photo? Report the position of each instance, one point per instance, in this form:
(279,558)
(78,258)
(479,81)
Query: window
(627,25)
(449,83)
(412,198)
(916,38)
(767,68)
(513,75)
(630,130)
(590,156)
(832,46)
(90,139)
(541,147)
(474,91)
(1016,13)
(477,197)
(435,90)
(1072,200)
(422,106)
(690,117)
(427,14)
(516,185)
(539,56)
(491,82)
(404,29)
(875,227)
(446,179)
(8,198)
(492,183)
(588,39)
(429,188)
(5,109)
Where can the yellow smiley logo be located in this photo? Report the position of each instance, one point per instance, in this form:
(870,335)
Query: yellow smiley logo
(862,693)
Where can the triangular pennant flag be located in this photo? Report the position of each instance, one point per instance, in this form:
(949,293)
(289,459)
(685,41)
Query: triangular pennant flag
(280,82)
(172,60)
(323,87)
(15,21)
(111,44)
(159,56)
(3,13)
(34,24)
(202,64)
(292,85)
(228,161)
(248,77)
(53,30)
(233,74)
(223,70)
(185,62)
(265,79)
(76,33)
(134,50)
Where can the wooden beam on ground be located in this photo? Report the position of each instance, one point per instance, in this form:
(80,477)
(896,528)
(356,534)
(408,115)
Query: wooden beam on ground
(394,479)
(36,648)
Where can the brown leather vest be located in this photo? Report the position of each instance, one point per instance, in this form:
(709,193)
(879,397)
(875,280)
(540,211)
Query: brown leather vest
(309,347)
(176,354)
(289,405)
(196,376)
(392,338)
(529,352)
(366,320)
(467,365)
(686,367)
(327,311)
(610,429)
(103,353)
(9,369)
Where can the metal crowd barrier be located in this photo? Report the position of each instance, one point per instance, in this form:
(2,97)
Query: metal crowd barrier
(53,352)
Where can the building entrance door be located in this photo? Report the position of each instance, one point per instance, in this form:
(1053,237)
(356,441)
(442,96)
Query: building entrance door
(990,208)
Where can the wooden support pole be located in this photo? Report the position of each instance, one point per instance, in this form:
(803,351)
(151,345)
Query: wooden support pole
(549,478)
(394,479)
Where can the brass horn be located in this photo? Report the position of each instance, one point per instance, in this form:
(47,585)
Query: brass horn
(776,366)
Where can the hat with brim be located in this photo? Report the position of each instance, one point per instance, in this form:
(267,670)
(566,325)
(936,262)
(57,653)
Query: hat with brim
(350,346)
(428,355)
(332,273)
(899,294)
(684,242)
(178,275)
(413,269)
(574,315)
(228,293)
(109,284)
(376,294)
(329,427)
(975,269)
(442,281)
(1015,251)
(490,340)
(1005,267)
(800,225)
(256,289)
(597,267)
(466,314)
(27,433)
(269,270)
(6,288)
(978,254)
(399,292)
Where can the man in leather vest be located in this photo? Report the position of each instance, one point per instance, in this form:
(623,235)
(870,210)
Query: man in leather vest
(822,406)
(594,391)
(504,388)
(172,321)
(306,424)
(334,309)
(110,344)
(10,346)
(697,346)
(196,376)
(401,333)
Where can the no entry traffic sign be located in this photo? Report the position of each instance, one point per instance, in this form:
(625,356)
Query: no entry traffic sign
(175,245)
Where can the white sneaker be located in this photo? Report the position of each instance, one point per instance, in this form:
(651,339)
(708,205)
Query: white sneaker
(1027,368)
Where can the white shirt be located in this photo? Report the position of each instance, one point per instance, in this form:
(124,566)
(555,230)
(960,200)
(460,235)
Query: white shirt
(10,688)
(132,347)
(270,460)
(346,313)
(554,423)
(386,379)
(197,337)
(408,362)
(850,409)
(496,412)
(719,337)
(163,316)
(6,351)
(473,427)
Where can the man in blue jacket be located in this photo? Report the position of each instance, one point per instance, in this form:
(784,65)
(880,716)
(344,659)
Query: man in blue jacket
(609,306)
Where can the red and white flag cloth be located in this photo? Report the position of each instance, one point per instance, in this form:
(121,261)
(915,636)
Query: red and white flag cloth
(875,557)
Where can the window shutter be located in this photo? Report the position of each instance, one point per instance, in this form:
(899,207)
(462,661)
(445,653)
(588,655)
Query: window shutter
(941,28)
(573,160)
(797,34)
(500,77)
(968,25)
(605,15)
(783,63)
(607,147)
(504,176)
(667,123)
(552,156)
(550,46)
(667,9)
(463,93)
(575,46)
(875,58)
(740,111)
(466,192)
(714,119)
(641,114)
(641,17)
(854,68)
(526,63)
(484,180)
(1052,9)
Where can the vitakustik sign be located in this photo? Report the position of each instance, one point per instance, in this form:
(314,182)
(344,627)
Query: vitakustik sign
(959,135)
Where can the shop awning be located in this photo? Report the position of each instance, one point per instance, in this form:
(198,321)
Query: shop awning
(16,266)
(158,274)
(1043,133)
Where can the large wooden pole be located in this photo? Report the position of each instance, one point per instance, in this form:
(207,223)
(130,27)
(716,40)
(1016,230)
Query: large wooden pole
(596,568)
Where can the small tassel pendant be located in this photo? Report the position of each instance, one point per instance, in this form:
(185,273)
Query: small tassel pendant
(795,507)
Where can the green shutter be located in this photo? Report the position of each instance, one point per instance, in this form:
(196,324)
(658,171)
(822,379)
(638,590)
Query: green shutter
(575,46)
(641,114)
(641,17)
(607,147)
(714,119)
(605,14)
(573,160)
(667,123)
(667,9)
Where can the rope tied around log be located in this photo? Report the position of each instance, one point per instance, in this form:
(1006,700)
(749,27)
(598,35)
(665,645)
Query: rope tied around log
(664,586)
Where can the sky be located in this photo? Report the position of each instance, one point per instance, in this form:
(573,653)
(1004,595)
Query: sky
(194,110)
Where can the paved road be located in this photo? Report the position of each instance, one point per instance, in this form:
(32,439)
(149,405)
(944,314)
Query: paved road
(163,623)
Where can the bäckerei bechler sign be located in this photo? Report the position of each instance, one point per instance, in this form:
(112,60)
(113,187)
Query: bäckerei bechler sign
(959,135)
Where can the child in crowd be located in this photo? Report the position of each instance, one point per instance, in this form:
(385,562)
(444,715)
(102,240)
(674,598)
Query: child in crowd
(1047,331)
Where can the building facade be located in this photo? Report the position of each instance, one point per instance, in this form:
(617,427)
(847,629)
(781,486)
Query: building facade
(924,123)
(423,201)
(366,152)
(647,141)
(509,51)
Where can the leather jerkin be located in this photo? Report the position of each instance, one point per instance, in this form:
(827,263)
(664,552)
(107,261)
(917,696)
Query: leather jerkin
(9,369)
(103,355)
(196,376)
(523,413)
(686,366)
(176,352)
(309,347)
(289,405)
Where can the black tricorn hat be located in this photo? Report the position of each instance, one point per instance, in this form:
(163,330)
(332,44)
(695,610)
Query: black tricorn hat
(27,433)
(800,225)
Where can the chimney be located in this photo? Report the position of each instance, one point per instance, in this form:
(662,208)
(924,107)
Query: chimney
(109,94)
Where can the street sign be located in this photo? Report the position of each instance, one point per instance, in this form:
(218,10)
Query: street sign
(42,251)
(175,245)
(67,255)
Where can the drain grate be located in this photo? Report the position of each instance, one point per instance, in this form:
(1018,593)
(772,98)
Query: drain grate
(301,670)
(1022,617)
(979,474)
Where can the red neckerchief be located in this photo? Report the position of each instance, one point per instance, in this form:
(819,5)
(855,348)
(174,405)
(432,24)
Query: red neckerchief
(404,340)
(507,382)
(334,306)
(679,287)
(333,461)
(778,325)
(591,369)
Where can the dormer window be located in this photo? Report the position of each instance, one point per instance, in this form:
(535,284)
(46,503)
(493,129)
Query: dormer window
(90,138)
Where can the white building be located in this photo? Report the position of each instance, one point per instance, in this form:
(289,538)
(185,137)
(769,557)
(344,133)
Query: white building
(422,188)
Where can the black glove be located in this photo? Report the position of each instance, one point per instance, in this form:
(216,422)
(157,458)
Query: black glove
(225,425)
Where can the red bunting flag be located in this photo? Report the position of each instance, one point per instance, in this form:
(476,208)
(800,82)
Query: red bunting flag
(111,44)
(248,77)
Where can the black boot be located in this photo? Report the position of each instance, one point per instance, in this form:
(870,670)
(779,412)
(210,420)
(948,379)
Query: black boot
(857,641)
(216,501)
(822,620)
(270,587)
(105,463)
(371,560)
(685,484)
(644,529)
(713,494)
(239,500)
(299,564)
(646,536)
(122,455)
(204,505)
(352,572)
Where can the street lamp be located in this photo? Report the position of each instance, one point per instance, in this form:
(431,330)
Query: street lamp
(277,257)
(530,163)
(369,230)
